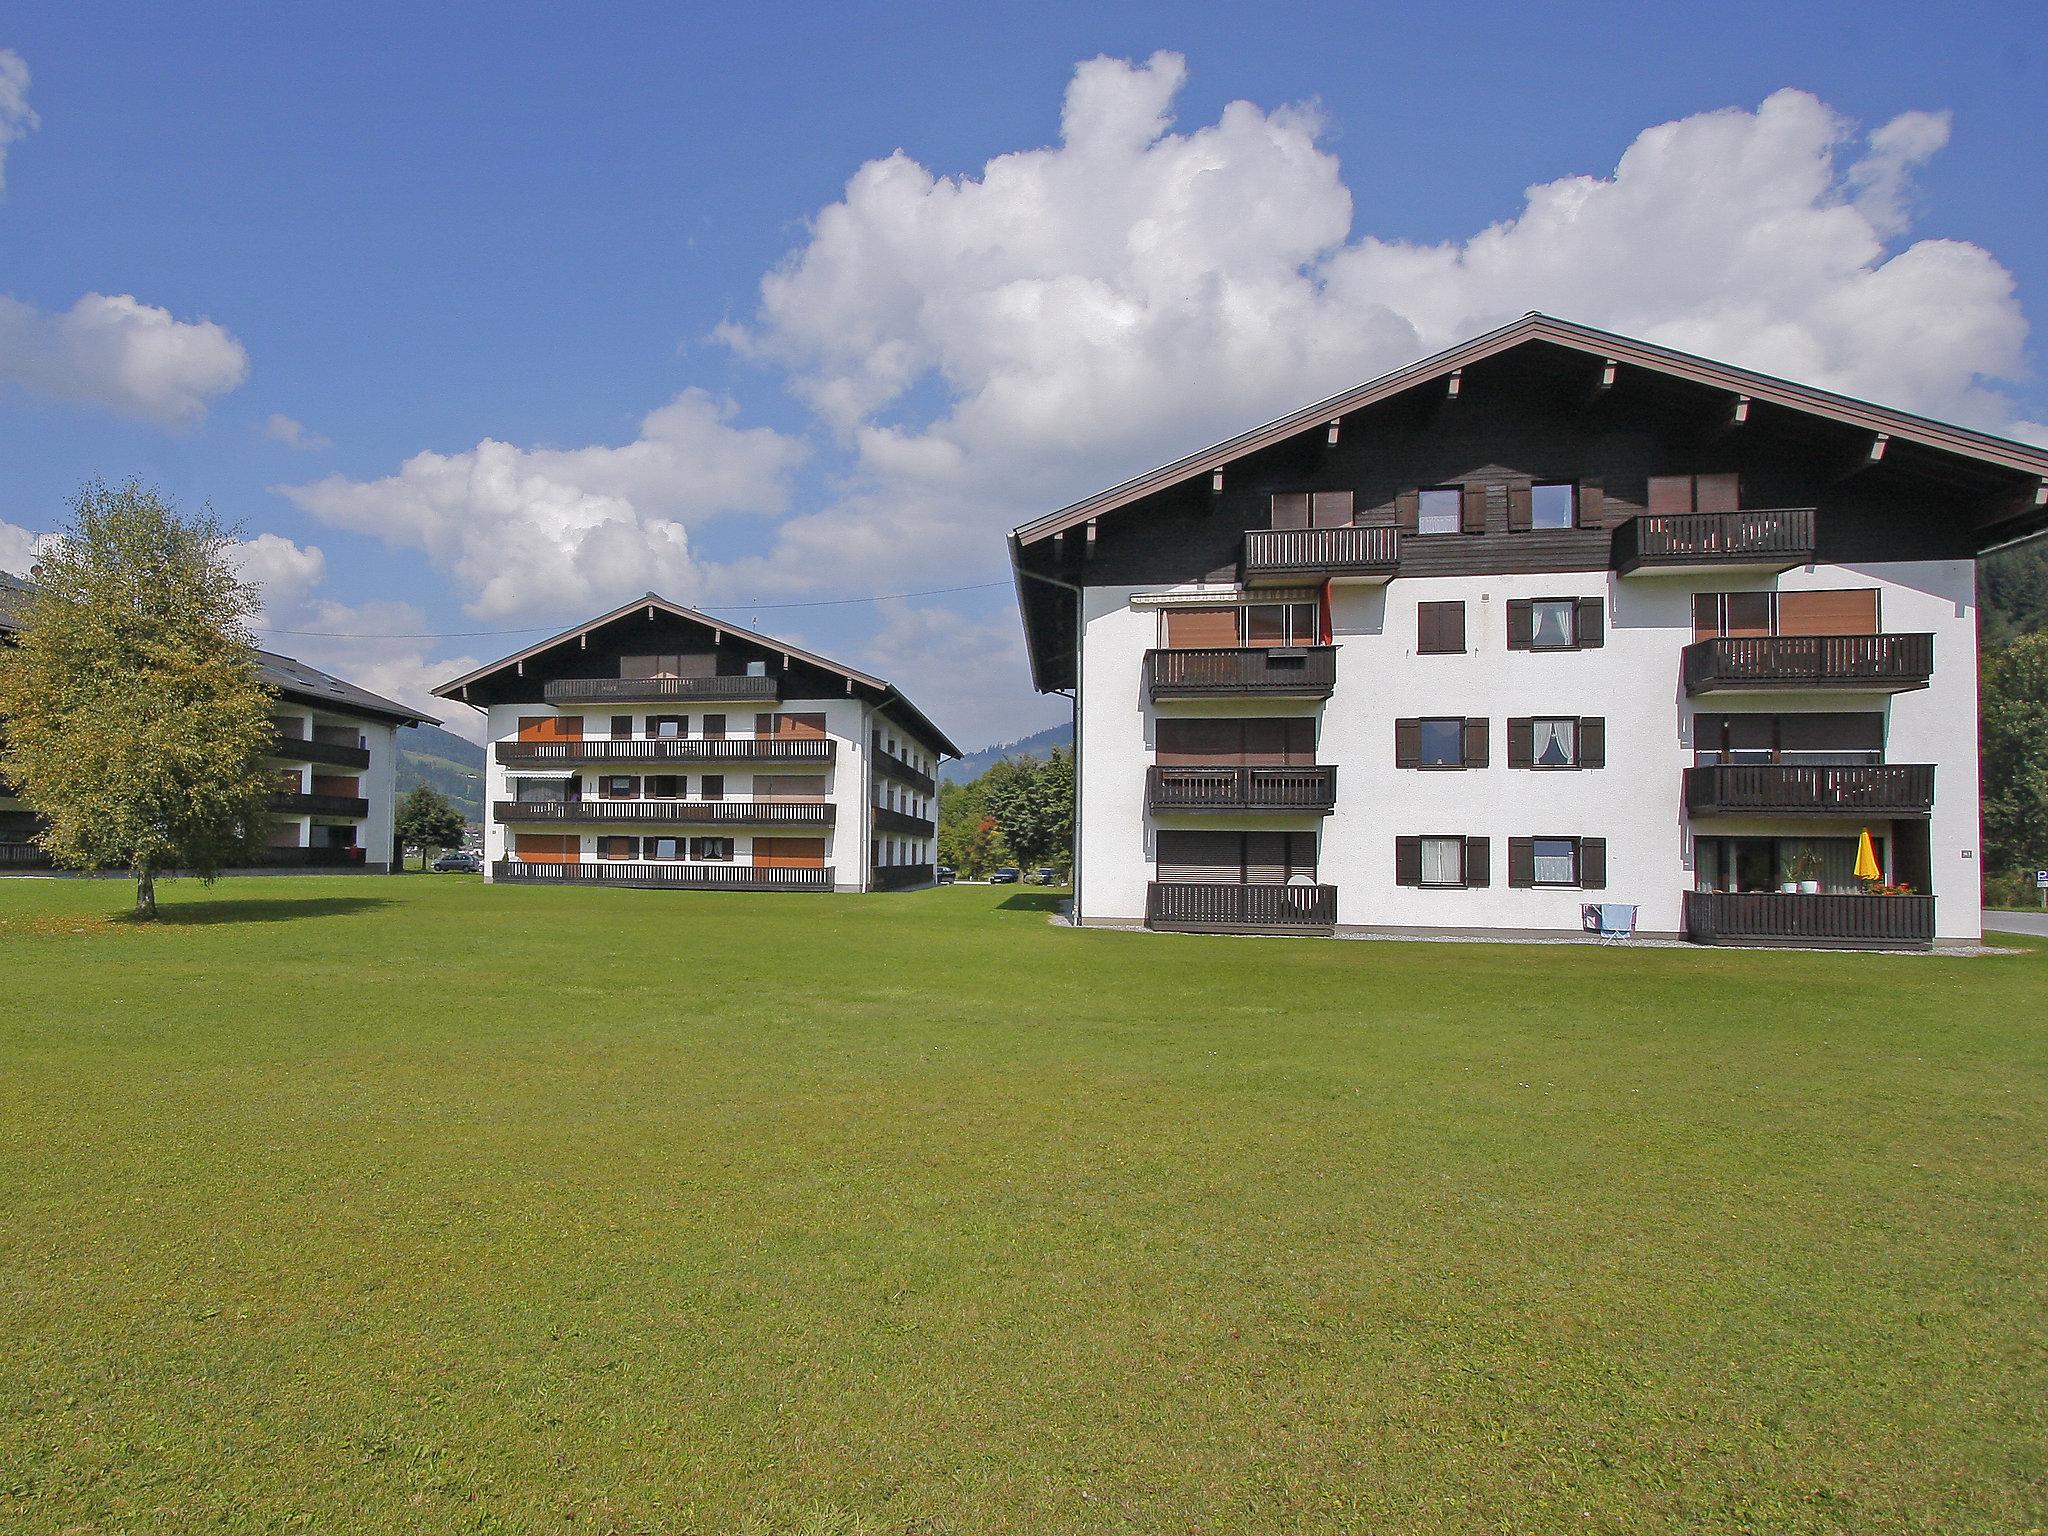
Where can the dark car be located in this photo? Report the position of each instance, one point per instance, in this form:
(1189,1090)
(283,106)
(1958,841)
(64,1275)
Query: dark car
(458,861)
(1045,874)
(944,874)
(1005,876)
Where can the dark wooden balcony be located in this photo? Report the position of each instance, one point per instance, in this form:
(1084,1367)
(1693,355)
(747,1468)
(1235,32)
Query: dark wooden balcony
(1846,663)
(661,690)
(1274,672)
(901,877)
(1819,921)
(302,749)
(311,858)
(1295,555)
(22,856)
(1192,908)
(696,813)
(1792,789)
(726,749)
(320,805)
(1310,791)
(890,766)
(664,876)
(887,820)
(1768,539)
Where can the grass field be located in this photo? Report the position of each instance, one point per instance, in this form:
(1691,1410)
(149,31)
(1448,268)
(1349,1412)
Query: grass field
(402,1205)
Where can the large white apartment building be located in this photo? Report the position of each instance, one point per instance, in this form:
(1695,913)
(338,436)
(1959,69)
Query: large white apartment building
(658,746)
(1555,618)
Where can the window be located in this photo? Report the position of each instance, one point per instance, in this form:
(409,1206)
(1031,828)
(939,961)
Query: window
(757,669)
(1280,624)
(1438,510)
(713,787)
(662,848)
(1772,863)
(1235,858)
(614,787)
(716,850)
(1744,615)
(1819,738)
(618,847)
(1678,495)
(714,727)
(1440,629)
(1556,623)
(1558,741)
(1440,743)
(1557,862)
(666,786)
(1441,863)
(1202,742)
(1443,743)
(537,791)
(622,727)
(1551,622)
(667,727)
(1555,743)
(1551,506)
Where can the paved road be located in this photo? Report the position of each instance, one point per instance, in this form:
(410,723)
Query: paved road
(2018,922)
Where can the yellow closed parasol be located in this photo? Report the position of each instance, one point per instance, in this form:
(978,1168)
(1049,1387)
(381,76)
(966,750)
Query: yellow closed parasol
(1866,858)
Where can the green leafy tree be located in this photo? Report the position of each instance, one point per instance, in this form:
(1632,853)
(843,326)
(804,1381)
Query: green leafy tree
(2015,754)
(969,840)
(427,821)
(1032,801)
(136,718)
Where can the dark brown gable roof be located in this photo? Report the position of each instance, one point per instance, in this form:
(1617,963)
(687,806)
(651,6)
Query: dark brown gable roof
(1980,446)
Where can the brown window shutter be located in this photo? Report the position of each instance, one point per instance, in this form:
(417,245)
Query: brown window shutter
(1717,493)
(1451,628)
(1476,743)
(1592,741)
(1427,628)
(1478,861)
(1519,498)
(1330,509)
(1852,612)
(1591,631)
(1407,743)
(1407,861)
(1201,628)
(1521,627)
(1473,508)
(1408,511)
(1290,509)
(1592,504)
(1593,863)
(1521,744)
(1521,861)
(1670,495)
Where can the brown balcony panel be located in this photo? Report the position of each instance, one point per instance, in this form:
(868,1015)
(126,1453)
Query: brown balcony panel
(1203,908)
(889,765)
(1770,539)
(698,813)
(1321,554)
(898,877)
(1818,921)
(661,690)
(321,805)
(726,749)
(299,749)
(1782,789)
(1301,791)
(887,820)
(1284,672)
(1848,663)
(677,877)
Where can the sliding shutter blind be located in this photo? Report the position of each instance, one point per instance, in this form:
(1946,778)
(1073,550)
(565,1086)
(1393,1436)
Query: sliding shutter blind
(1593,863)
(1828,613)
(1521,627)
(1592,504)
(1717,493)
(1520,499)
(1407,861)
(1670,495)
(1521,743)
(1408,511)
(1407,743)
(1266,858)
(1201,628)
(1290,509)
(1592,741)
(1521,861)
(1200,858)
(1330,509)
(1472,504)
(1478,861)
(1591,631)
(1476,734)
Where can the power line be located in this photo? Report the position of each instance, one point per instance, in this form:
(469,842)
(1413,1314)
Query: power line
(535,629)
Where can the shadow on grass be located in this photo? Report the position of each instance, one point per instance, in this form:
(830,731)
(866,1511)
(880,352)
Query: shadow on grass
(258,910)
(1033,901)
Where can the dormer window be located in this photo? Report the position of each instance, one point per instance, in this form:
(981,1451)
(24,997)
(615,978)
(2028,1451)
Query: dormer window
(1438,510)
(1552,506)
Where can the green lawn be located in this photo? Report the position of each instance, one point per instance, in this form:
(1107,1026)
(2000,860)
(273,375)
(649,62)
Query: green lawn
(366,1204)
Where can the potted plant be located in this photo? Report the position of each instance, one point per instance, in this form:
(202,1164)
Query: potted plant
(1803,870)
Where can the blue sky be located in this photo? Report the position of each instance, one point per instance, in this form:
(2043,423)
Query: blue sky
(421,229)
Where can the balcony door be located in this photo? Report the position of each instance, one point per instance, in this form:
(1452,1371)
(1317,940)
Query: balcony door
(1288,742)
(1235,858)
(789,853)
(550,727)
(547,848)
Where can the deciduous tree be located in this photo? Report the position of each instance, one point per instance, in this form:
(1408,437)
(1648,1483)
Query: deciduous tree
(427,821)
(2015,754)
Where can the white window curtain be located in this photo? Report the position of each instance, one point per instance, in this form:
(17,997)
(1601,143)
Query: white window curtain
(1551,623)
(1554,861)
(1556,743)
(1443,861)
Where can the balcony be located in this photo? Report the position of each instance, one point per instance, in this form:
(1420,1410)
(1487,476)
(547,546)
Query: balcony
(693,813)
(887,820)
(725,749)
(901,877)
(320,805)
(890,766)
(1819,921)
(1308,791)
(300,749)
(1766,540)
(22,856)
(662,690)
(1848,663)
(1190,908)
(1268,672)
(1284,556)
(1789,789)
(675,877)
(311,858)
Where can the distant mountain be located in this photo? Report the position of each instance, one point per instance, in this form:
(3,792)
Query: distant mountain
(429,755)
(974,764)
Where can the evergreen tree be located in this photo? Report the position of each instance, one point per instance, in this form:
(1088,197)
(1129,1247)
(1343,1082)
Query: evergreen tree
(2015,754)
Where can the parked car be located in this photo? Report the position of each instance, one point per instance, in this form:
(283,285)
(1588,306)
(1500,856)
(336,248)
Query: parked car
(459,861)
(1005,876)
(944,874)
(1045,874)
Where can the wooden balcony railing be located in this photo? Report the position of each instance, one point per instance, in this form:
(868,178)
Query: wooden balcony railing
(1321,554)
(23,856)
(707,813)
(1296,672)
(1877,789)
(621,690)
(1821,921)
(699,877)
(720,749)
(897,877)
(303,749)
(1311,790)
(1779,537)
(1241,908)
(320,805)
(311,858)
(887,820)
(1860,663)
(889,765)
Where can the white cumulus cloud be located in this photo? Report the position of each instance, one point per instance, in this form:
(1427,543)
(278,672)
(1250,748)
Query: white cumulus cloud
(113,350)
(17,117)
(19,548)
(294,434)
(529,530)
(283,572)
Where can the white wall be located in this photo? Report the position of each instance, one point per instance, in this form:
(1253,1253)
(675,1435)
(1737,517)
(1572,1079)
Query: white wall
(1633,680)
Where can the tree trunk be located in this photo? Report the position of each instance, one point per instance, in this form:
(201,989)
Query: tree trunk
(145,895)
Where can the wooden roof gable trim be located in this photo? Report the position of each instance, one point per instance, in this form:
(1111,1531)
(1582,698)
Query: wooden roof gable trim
(1610,349)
